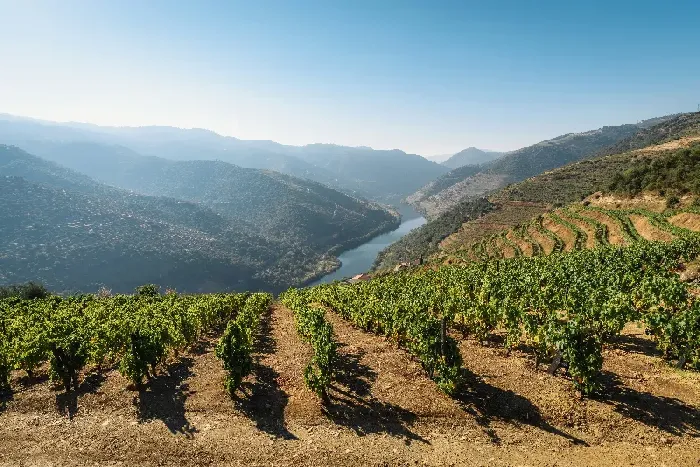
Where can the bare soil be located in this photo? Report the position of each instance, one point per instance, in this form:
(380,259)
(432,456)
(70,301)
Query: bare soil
(506,215)
(587,229)
(382,410)
(525,246)
(615,236)
(684,142)
(545,242)
(647,230)
(561,231)
(649,201)
(687,220)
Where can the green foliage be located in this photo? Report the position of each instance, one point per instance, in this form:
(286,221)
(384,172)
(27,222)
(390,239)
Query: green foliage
(377,308)
(235,347)
(28,291)
(424,241)
(137,332)
(312,327)
(677,173)
(210,231)
(572,303)
(148,290)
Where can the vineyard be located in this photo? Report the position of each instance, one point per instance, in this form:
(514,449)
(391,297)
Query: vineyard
(393,356)
(135,333)
(564,307)
(579,226)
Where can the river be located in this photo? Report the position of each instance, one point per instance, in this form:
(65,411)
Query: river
(361,258)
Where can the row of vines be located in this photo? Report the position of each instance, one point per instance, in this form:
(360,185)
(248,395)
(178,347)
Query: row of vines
(565,306)
(134,333)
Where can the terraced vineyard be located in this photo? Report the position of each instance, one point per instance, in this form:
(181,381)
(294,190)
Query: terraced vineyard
(583,226)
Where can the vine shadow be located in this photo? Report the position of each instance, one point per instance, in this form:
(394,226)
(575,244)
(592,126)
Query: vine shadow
(164,398)
(666,413)
(6,396)
(351,404)
(67,402)
(262,400)
(635,344)
(487,403)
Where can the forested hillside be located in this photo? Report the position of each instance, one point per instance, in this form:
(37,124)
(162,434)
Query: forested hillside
(469,182)
(360,171)
(272,204)
(74,233)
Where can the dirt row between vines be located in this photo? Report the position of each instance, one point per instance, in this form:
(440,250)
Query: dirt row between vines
(383,410)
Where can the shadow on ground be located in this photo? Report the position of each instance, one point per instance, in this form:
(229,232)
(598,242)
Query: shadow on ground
(67,402)
(665,413)
(488,403)
(164,398)
(263,401)
(351,404)
(635,344)
(6,396)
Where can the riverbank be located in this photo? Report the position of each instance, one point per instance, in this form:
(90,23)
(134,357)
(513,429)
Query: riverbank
(361,258)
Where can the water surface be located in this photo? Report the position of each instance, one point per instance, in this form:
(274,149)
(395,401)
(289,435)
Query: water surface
(360,259)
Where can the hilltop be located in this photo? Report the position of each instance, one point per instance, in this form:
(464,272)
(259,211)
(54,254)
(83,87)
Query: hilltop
(471,156)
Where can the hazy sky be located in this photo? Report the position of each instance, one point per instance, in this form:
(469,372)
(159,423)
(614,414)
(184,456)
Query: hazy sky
(427,77)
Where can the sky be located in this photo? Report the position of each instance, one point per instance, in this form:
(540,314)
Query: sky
(427,77)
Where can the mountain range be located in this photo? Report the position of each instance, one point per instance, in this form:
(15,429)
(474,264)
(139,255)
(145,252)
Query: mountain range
(379,175)
(210,226)
(471,156)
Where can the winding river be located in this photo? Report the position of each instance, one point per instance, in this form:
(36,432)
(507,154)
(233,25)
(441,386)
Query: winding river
(361,258)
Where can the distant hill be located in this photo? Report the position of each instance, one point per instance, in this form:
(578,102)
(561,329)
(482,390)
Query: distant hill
(625,164)
(471,156)
(358,171)
(266,230)
(474,181)
(439,158)
(272,204)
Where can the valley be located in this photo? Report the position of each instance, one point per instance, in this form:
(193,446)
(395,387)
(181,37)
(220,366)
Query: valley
(553,321)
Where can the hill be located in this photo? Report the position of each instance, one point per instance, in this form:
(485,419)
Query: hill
(271,204)
(519,203)
(74,233)
(361,171)
(471,156)
(469,182)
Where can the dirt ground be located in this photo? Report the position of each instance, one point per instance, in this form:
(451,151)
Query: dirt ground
(587,228)
(615,235)
(561,231)
(647,230)
(383,410)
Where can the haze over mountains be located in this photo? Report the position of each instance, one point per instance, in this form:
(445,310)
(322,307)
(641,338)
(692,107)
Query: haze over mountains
(554,172)
(359,171)
(471,156)
(209,225)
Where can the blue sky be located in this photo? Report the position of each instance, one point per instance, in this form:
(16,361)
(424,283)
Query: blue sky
(428,77)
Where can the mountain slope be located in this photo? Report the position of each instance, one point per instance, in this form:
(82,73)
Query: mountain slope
(471,156)
(273,204)
(76,234)
(520,202)
(468,182)
(360,171)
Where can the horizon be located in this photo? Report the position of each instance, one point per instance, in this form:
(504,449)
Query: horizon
(423,78)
